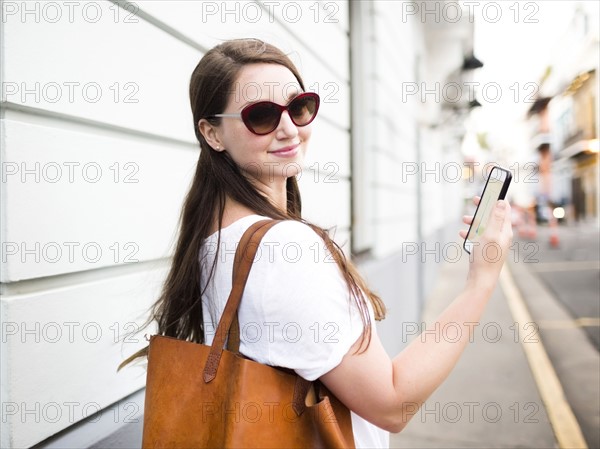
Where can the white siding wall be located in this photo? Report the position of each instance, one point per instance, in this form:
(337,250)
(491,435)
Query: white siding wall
(405,147)
(396,49)
(55,369)
(403,157)
(386,143)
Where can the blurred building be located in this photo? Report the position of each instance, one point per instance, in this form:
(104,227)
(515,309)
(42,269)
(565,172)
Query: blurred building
(564,119)
(542,143)
(98,150)
(576,136)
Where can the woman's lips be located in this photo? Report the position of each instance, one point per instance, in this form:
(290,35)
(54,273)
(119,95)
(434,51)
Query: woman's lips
(292,150)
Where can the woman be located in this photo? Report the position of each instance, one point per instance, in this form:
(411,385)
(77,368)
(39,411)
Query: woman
(305,306)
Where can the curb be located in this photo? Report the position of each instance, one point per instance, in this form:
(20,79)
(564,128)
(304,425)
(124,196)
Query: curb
(565,426)
(574,358)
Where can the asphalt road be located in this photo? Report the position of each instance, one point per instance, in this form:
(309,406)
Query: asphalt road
(571,270)
(568,314)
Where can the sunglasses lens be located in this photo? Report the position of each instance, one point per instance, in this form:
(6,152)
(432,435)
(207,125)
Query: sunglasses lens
(262,118)
(303,109)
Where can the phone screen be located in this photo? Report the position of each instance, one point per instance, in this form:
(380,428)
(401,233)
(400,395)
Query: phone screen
(495,189)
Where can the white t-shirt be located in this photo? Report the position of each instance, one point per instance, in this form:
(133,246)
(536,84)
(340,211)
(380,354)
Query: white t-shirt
(296,310)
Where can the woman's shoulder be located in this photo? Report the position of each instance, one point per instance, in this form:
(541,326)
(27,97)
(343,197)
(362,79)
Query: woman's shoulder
(283,230)
(286,235)
(234,226)
(293,230)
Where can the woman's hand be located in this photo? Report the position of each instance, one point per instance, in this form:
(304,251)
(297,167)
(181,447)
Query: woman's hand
(489,252)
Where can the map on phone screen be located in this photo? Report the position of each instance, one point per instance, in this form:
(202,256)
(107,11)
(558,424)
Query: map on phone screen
(486,205)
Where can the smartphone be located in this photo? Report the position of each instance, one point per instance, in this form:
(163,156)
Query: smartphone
(495,189)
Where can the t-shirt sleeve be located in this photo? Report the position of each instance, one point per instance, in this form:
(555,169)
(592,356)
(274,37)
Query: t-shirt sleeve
(305,304)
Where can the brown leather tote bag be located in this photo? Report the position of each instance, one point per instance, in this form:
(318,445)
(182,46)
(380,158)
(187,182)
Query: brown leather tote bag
(200,396)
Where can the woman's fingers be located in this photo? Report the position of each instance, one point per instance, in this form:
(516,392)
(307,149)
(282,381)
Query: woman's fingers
(507,225)
(468,219)
(498,217)
(499,227)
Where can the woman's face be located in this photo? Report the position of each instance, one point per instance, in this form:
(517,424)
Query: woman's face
(272,158)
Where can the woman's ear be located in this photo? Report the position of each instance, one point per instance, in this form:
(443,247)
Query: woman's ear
(209,132)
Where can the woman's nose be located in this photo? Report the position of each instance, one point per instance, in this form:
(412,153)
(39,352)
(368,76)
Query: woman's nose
(286,126)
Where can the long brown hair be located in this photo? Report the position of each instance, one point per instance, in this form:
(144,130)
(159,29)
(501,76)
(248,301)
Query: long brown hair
(178,311)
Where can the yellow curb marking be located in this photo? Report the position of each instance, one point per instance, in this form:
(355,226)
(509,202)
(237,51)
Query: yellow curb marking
(569,324)
(566,428)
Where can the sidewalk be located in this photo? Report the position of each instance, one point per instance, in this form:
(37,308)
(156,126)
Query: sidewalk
(490,399)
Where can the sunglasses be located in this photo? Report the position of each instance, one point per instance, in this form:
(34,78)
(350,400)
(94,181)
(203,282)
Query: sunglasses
(263,117)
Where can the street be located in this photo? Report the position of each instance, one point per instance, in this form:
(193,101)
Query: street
(570,271)
(560,286)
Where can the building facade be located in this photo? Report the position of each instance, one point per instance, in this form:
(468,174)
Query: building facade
(564,120)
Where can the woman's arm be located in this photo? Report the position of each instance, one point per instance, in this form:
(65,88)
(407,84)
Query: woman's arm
(389,392)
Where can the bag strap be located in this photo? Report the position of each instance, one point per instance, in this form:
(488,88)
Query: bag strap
(233,335)
(229,325)
(244,256)
(233,338)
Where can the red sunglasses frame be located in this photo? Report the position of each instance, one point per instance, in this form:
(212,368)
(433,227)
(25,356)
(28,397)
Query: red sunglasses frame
(245,113)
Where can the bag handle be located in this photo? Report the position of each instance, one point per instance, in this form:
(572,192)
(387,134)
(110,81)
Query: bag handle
(233,334)
(244,257)
(229,325)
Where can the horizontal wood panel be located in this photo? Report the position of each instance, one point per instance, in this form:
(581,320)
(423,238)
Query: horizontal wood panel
(329,149)
(302,25)
(61,349)
(325,199)
(77,201)
(118,69)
